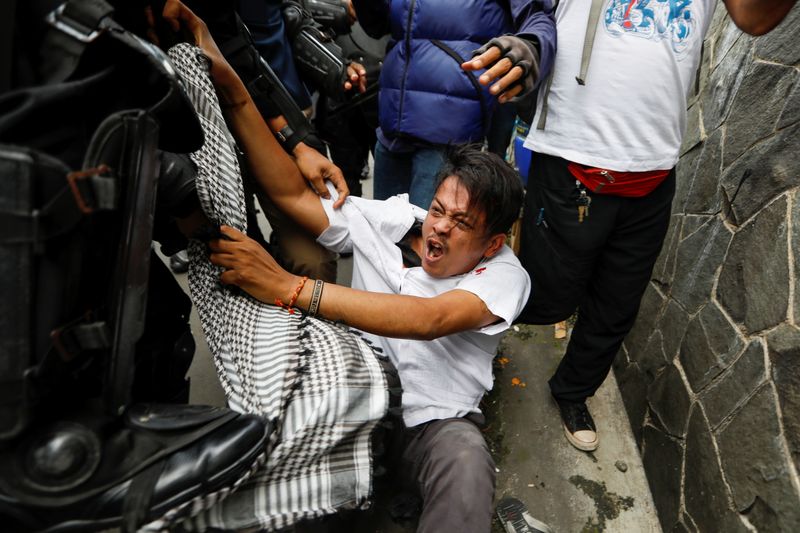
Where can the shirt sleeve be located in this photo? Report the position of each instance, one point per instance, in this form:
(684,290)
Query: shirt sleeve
(360,218)
(504,286)
(534,20)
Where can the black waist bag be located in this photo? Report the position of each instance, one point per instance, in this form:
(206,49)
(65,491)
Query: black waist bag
(78,178)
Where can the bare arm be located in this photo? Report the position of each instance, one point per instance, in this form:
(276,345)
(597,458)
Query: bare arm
(248,266)
(757,17)
(274,171)
(397,315)
(277,175)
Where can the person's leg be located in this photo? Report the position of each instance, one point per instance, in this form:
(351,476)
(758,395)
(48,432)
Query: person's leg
(561,252)
(556,249)
(392,172)
(350,158)
(611,302)
(455,475)
(426,164)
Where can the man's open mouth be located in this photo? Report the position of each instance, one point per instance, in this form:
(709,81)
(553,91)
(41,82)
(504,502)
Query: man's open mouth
(434,249)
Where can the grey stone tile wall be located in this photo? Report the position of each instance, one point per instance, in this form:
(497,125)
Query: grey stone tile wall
(710,374)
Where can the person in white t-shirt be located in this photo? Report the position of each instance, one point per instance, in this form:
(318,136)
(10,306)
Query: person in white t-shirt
(435,289)
(606,138)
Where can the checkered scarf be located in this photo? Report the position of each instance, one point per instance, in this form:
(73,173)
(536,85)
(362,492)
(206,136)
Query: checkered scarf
(320,384)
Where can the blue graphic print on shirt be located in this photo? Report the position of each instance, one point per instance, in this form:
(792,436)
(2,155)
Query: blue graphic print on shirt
(653,20)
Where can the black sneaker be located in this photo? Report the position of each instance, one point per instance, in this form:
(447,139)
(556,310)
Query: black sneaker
(578,425)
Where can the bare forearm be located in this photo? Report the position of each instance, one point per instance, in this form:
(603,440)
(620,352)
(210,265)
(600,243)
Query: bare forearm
(272,168)
(399,316)
(757,17)
(387,315)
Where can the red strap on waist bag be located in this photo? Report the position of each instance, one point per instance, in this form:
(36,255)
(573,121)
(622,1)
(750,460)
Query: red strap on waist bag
(631,184)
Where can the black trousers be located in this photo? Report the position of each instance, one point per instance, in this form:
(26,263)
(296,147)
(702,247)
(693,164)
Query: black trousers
(600,266)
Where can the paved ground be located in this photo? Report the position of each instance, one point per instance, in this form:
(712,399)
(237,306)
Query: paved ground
(570,490)
(566,488)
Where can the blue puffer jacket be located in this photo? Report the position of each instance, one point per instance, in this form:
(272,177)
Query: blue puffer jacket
(425,95)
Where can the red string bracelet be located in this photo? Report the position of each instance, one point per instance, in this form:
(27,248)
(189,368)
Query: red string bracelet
(290,306)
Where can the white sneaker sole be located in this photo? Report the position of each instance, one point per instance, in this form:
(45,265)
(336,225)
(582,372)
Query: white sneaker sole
(579,444)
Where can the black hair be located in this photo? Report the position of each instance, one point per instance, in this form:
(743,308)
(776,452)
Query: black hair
(494,186)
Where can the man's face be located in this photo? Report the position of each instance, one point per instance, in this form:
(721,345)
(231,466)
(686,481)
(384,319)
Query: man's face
(454,239)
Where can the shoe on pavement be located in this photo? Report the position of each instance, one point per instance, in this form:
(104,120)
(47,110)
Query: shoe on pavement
(515,518)
(578,425)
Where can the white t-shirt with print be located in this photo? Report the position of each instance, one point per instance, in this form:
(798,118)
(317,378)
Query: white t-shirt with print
(631,114)
(445,377)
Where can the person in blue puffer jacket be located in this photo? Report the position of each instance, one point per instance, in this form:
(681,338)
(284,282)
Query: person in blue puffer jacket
(427,100)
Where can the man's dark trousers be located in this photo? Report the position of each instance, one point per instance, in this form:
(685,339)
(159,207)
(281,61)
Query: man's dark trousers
(600,266)
(447,463)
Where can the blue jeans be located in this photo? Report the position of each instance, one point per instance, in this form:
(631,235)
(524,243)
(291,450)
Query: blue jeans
(412,172)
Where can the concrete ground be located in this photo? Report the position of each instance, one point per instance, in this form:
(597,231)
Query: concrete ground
(570,490)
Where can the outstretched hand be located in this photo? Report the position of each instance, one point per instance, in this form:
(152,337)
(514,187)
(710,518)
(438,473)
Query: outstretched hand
(512,66)
(248,266)
(316,168)
(500,70)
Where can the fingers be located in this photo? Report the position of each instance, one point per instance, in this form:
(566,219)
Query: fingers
(318,184)
(177,15)
(344,192)
(483,60)
(340,184)
(362,82)
(513,76)
(229,241)
(221,259)
(232,234)
(352,77)
(498,70)
(356,76)
(230,277)
(508,95)
(351,12)
(172,14)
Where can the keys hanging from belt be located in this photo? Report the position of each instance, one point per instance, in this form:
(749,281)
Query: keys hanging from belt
(583,201)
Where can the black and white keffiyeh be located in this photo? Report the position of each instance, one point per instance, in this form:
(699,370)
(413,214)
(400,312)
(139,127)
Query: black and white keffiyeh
(320,384)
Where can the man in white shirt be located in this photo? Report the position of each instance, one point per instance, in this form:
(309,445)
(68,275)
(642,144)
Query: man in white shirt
(606,137)
(436,290)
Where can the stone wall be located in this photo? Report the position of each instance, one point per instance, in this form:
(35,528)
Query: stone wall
(711,372)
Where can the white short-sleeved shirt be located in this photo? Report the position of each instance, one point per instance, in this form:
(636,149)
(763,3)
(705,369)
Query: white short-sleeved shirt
(448,376)
(631,114)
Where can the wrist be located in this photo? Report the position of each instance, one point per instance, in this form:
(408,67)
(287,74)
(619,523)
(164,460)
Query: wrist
(310,297)
(304,297)
(301,149)
(288,139)
(291,293)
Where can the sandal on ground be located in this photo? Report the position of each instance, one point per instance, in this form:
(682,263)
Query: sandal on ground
(515,518)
